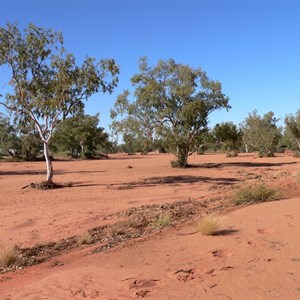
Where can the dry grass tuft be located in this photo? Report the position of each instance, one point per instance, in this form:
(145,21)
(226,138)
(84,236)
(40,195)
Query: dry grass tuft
(8,256)
(85,239)
(117,228)
(255,194)
(209,225)
(231,154)
(162,221)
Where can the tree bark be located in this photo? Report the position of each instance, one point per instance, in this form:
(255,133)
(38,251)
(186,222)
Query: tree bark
(48,162)
(182,157)
(82,149)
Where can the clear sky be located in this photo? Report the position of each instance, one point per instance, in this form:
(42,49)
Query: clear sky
(252,47)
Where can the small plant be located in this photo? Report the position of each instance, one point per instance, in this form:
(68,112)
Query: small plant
(297,154)
(162,221)
(85,239)
(8,256)
(255,194)
(69,184)
(174,164)
(231,154)
(209,225)
(118,228)
(138,222)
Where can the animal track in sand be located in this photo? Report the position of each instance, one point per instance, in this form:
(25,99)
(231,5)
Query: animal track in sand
(142,285)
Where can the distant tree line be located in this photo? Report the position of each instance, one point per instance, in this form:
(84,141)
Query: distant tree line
(256,133)
(74,137)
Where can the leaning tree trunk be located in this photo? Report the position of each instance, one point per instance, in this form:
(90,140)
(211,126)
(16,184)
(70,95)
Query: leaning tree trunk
(48,162)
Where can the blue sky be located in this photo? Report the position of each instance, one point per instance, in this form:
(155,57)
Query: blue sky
(252,47)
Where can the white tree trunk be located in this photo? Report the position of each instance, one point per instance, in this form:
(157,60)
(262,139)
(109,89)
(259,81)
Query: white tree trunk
(48,162)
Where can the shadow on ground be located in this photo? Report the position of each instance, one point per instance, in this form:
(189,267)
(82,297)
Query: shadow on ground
(175,180)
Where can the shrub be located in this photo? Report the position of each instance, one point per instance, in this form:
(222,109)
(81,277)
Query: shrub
(174,164)
(255,194)
(85,239)
(162,221)
(209,225)
(8,256)
(297,154)
(231,154)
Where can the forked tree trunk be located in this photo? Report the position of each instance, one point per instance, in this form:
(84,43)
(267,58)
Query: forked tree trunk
(48,162)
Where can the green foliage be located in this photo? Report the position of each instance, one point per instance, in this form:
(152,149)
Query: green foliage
(80,136)
(9,141)
(162,221)
(21,140)
(137,129)
(46,82)
(261,133)
(292,131)
(31,143)
(228,135)
(173,102)
(255,194)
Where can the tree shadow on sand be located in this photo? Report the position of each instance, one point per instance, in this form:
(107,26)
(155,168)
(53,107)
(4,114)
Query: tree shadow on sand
(240,164)
(176,180)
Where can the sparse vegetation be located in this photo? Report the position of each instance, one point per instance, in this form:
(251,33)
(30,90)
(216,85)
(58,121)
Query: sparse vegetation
(255,193)
(209,224)
(48,185)
(162,221)
(117,228)
(297,154)
(231,154)
(8,256)
(174,164)
(260,133)
(85,239)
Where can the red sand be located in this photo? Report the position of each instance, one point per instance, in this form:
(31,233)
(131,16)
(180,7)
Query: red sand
(261,260)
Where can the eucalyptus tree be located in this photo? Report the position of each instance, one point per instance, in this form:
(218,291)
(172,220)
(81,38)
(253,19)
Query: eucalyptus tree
(261,133)
(292,130)
(229,135)
(136,128)
(10,144)
(172,101)
(80,136)
(46,82)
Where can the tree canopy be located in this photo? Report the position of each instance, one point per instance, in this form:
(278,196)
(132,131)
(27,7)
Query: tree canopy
(47,83)
(229,135)
(80,136)
(171,100)
(292,123)
(261,133)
